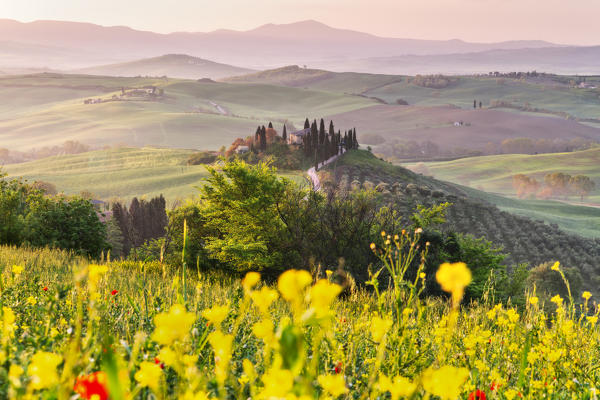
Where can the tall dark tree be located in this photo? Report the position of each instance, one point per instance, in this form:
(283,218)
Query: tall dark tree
(306,124)
(474,103)
(257,134)
(270,125)
(263,138)
(314,134)
(331,128)
(284,134)
(322,132)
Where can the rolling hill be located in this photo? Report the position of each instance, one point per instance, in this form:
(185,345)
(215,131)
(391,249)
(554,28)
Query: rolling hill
(121,173)
(481,127)
(171,65)
(267,46)
(47,109)
(494,173)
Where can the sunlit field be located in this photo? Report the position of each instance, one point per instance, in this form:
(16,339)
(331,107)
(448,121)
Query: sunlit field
(126,330)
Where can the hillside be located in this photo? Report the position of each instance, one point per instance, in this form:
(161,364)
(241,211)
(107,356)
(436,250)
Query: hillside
(121,173)
(171,65)
(267,46)
(525,240)
(494,173)
(394,126)
(47,109)
(296,76)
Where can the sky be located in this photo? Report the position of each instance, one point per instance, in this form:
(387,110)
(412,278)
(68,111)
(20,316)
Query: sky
(559,21)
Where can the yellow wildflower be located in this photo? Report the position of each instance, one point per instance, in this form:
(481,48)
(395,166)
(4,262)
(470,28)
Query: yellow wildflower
(557,300)
(292,284)
(263,298)
(14,375)
(333,384)
(322,295)
(445,382)
(174,325)
(379,327)
(533,300)
(556,266)
(95,273)
(250,280)
(263,330)
(586,295)
(190,395)
(31,301)
(277,383)
(8,321)
(221,345)
(373,246)
(399,387)
(17,269)
(42,369)
(454,278)
(167,356)
(149,375)
(216,314)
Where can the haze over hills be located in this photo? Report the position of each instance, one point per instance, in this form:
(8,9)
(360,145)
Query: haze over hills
(69,45)
(172,65)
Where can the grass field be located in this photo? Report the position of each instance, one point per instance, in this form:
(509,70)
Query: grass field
(494,173)
(122,173)
(47,109)
(134,330)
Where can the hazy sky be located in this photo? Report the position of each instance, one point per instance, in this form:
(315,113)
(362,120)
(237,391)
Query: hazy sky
(562,21)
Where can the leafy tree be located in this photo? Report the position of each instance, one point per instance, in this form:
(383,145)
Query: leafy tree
(582,185)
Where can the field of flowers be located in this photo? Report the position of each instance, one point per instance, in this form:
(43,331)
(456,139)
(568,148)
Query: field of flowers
(124,330)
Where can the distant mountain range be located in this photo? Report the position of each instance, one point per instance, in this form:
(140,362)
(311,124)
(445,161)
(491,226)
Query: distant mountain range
(71,45)
(172,65)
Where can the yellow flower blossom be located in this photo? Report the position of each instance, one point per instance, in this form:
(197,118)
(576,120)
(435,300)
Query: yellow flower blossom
(17,269)
(216,314)
(149,375)
(445,382)
(533,300)
(277,383)
(399,387)
(42,370)
(333,384)
(263,298)
(454,278)
(174,325)
(250,281)
(31,301)
(586,295)
(221,345)
(555,266)
(14,375)
(167,356)
(321,296)
(379,327)
(291,284)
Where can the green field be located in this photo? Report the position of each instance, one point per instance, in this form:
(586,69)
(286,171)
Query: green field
(121,173)
(494,173)
(47,109)
(581,103)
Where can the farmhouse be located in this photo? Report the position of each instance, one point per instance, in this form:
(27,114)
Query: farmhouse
(242,149)
(297,136)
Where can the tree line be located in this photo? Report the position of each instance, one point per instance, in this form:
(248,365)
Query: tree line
(322,145)
(556,184)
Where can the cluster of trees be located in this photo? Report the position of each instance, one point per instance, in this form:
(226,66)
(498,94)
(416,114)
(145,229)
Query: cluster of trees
(69,147)
(433,81)
(556,184)
(30,217)
(322,144)
(142,221)
(534,146)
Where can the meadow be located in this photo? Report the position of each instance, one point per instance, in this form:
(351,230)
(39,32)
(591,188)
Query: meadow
(494,173)
(122,173)
(133,330)
(186,116)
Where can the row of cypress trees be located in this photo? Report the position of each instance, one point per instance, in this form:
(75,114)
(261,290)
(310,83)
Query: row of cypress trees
(322,144)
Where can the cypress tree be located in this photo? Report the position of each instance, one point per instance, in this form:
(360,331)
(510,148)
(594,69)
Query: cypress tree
(322,132)
(314,133)
(270,125)
(284,134)
(331,129)
(257,134)
(263,138)
(306,124)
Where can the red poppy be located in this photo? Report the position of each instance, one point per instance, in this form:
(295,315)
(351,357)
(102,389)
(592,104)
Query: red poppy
(494,386)
(160,364)
(92,386)
(115,291)
(45,289)
(338,367)
(477,395)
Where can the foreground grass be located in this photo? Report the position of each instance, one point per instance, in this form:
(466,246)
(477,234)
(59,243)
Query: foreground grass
(137,330)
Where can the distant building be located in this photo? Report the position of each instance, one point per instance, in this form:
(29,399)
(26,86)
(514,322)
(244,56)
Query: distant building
(242,149)
(298,136)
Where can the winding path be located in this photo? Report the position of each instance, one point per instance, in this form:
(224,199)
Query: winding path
(312,173)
